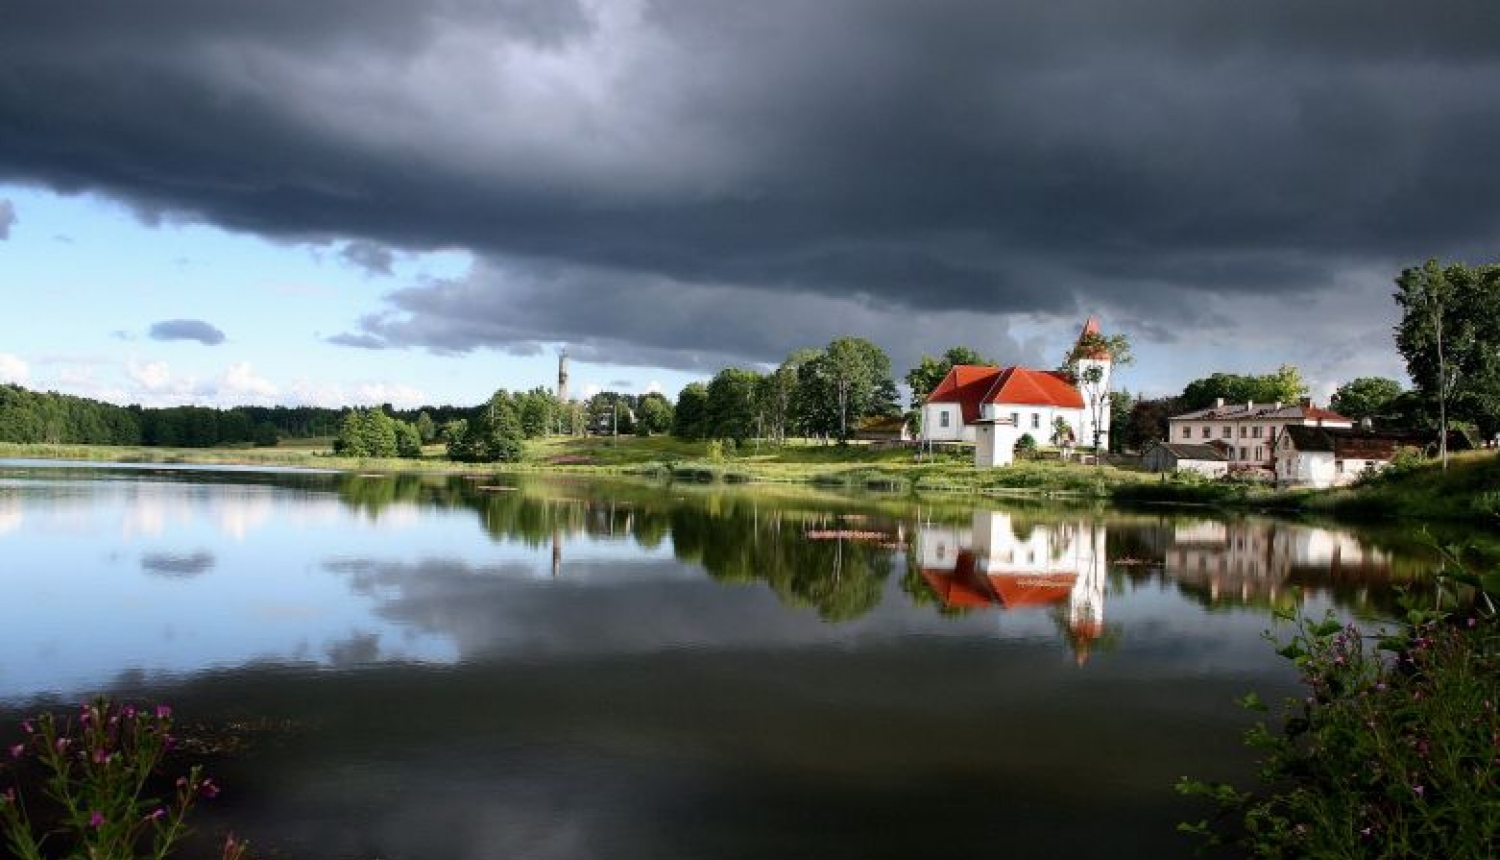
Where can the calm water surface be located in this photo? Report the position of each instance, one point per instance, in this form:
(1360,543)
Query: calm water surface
(491,668)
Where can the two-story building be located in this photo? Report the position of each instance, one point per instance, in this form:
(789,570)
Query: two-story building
(1250,431)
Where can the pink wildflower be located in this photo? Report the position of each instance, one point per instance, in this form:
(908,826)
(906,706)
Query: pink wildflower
(96,819)
(163,712)
(16,750)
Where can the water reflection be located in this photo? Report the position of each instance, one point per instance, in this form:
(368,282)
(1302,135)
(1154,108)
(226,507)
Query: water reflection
(1015,561)
(769,670)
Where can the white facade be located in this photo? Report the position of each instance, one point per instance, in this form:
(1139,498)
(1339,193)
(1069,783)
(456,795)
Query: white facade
(1251,431)
(995,443)
(944,422)
(1319,469)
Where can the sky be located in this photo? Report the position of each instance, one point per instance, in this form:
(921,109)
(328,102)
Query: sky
(420,201)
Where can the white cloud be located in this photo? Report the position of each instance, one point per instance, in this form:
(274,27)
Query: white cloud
(13,369)
(307,393)
(153,376)
(654,386)
(240,385)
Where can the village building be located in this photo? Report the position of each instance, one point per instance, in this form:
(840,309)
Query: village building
(994,406)
(1250,431)
(1211,460)
(892,430)
(1323,457)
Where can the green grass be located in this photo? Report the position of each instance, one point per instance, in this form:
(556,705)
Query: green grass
(1469,489)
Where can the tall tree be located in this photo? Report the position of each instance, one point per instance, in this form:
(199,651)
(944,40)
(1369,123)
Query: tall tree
(1366,397)
(854,372)
(930,371)
(1449,335)
(731,404)
(690,418)
(655,414)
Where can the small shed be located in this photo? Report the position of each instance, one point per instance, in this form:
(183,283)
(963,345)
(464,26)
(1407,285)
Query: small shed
(1208,460)
(995,442)
(892,429)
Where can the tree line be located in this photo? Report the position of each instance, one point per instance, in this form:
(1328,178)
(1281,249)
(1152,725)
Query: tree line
(48,417)
(823,393)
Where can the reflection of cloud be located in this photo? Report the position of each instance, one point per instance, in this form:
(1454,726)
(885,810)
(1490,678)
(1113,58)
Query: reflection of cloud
(604,607)
(239,514)
(10,515)
(177,566)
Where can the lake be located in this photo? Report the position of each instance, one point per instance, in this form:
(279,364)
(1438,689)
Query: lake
(504,667)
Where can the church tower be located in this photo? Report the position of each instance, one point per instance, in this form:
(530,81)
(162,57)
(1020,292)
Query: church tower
(562,377)
(1094,366)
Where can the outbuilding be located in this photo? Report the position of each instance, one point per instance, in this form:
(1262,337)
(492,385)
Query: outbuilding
(1209,460)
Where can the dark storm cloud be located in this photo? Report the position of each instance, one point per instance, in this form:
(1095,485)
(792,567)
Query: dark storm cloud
(197,330)
(1146,158)
(374,258)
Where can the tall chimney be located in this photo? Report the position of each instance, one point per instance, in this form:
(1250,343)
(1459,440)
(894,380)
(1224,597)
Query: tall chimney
(1218,403)
(1249,405)
(562,377)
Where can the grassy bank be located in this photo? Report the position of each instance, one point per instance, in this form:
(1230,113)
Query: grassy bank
(1469,490)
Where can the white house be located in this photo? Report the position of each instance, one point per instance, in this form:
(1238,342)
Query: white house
(1321,457)
(1249,430)
(1013,401)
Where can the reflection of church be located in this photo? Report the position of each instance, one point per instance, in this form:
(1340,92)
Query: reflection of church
(1010,562)
(1260,561)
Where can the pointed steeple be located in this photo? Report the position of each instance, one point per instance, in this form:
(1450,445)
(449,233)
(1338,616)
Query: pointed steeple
(1091,328)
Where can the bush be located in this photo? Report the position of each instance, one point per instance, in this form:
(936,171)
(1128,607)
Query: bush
(1394,751)
(94,775)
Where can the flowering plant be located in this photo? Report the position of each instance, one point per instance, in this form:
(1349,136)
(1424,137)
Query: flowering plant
(95,772)
(1394,750)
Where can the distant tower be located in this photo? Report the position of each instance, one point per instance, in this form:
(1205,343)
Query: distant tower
(562,377)
(1099,358)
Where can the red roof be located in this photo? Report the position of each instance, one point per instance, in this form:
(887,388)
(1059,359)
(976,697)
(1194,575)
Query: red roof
(966,385)
(970,386)
(1027,387)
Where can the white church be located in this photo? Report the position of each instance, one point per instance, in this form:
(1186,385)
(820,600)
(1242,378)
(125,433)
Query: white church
(993,406)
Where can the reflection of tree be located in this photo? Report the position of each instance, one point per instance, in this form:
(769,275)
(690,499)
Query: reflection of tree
(741,543)
(737,537)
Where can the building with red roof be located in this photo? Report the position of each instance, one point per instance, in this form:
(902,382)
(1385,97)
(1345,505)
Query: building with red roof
(994,406)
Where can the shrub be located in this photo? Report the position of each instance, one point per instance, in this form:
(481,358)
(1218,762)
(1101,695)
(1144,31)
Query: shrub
(94,776)
(1393,752)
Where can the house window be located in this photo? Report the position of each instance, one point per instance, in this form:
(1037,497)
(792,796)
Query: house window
(1036,420)
(1257,453)
(1207,432)
(1015,419)
(1228,432)
(1187,432)
(943,418)
(1244,454)
(1243,431)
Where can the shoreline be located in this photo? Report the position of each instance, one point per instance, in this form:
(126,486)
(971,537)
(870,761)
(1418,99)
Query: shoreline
(1468,493)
